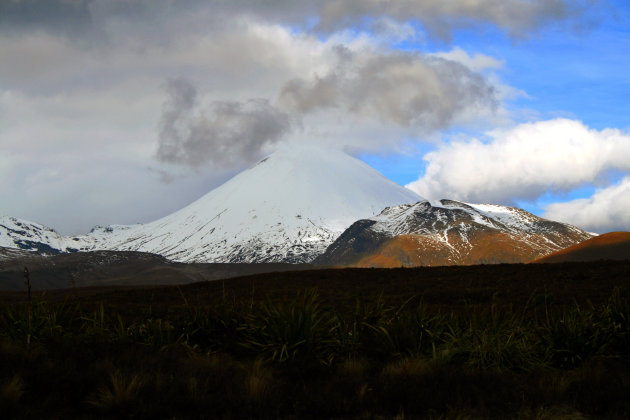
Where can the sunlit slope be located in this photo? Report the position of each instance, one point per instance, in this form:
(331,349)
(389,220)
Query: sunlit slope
(609,246)
(448,232)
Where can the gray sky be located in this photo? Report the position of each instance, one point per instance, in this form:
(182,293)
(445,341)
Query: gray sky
(124,111)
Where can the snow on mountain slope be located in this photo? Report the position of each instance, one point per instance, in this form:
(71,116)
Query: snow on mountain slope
(30,236)
(287,208)
(448,232)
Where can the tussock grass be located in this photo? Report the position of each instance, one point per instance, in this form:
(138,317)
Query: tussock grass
(492,339)
(11,390)
(258,382)
(401,369)
(354,367)
(574,336)
(288,330)
(120,394)
(551,413)
(295,357)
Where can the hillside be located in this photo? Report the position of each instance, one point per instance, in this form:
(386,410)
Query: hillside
(448,232)
(117,268)
(609,246)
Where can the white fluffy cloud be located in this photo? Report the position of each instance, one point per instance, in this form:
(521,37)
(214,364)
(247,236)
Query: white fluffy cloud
(81,90)
(607,210)
(523,162)
(475,62)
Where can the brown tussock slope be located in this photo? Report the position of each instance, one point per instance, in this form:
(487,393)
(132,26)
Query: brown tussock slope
(609,246)
(489,247)
(448,232)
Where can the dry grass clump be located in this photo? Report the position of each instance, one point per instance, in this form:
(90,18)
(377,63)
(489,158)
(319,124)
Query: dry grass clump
(258,382)
(354,367)
(407,367)
(11,390)
(551,413)
(122,392)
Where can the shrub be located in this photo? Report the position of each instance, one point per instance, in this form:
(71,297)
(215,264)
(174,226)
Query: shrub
(288,330)
(492,340)
(218,328)
(417,333)
(365,331)
(616,322)
(570,338)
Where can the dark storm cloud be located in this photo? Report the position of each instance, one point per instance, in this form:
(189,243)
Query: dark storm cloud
(66,17)
(438,17)
(399,88)
(224,133)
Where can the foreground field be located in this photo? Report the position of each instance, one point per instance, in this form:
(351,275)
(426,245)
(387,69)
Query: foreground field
(508,341)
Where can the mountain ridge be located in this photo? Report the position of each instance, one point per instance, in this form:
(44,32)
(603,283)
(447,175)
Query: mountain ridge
(448,232)
(287,208)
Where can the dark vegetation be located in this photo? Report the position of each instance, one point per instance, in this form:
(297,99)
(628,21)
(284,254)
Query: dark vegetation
(106,268)
(510,341)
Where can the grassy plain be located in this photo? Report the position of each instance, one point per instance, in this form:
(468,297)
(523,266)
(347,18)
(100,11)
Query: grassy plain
(547,341)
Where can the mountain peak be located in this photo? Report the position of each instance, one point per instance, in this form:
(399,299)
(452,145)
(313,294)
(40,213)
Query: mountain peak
(448,232)
(286,208)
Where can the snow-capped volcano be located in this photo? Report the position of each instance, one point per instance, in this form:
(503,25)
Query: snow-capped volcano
(287,208)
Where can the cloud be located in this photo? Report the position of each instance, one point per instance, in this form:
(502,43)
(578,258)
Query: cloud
(71,18)
(523,162)
(605,211)
(476,62)
(86,77)
(398,88)
(55,16)
(440,17)
(223,133)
